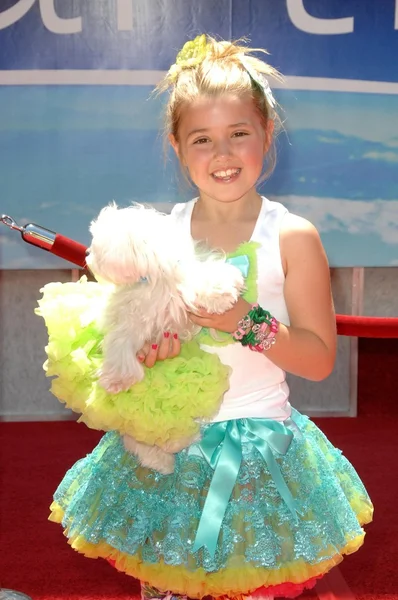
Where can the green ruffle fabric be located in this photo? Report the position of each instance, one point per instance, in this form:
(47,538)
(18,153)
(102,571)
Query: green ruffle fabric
(171,400)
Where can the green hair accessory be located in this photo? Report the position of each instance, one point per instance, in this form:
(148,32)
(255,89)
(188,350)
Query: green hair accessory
(191,54)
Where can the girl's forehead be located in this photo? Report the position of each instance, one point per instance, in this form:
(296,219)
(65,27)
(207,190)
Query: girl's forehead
(223,110)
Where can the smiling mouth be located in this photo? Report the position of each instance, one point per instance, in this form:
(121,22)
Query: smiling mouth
(226,175)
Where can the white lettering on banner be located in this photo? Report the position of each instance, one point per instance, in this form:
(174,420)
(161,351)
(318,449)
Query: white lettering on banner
(304,21)
(16,12)
(125,15)
(59,25)
(54,23)
(295,8)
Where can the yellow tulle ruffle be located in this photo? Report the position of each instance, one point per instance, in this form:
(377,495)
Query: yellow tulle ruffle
(231,581)
(168,404)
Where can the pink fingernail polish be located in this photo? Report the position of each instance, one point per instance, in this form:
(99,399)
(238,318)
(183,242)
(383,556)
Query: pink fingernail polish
(154,346)
(166,334)
(175,336)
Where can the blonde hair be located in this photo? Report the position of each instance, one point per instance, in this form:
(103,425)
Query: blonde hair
(207,67)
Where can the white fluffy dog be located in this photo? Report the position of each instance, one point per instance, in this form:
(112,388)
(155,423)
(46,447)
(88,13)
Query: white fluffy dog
(158,272)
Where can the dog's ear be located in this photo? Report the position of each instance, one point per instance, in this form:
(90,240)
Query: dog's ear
(133,243)
(107,213)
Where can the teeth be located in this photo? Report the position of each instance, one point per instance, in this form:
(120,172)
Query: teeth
(227,173)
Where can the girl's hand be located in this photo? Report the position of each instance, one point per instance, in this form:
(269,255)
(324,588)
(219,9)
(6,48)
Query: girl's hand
(227,322)
(169,347)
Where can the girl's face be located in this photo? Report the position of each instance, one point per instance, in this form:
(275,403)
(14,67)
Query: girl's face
(222,142)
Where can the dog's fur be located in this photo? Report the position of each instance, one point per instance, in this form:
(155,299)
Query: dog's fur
(158,273)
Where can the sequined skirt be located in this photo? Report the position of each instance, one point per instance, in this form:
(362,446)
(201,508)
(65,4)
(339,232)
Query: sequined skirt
(147,524)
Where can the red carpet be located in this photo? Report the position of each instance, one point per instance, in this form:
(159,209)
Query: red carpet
(35,558)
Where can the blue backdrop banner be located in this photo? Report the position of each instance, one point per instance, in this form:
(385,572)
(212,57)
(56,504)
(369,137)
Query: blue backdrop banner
(354,39)
(79,128)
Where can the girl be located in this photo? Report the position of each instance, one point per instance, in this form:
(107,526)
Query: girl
(263,504)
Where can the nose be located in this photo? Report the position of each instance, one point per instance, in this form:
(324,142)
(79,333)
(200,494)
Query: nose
(222,148)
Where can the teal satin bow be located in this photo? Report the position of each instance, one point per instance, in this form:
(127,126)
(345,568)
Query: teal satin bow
(222,448)
(241,262)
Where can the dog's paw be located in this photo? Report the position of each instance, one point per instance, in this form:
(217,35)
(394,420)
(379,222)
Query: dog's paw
(218,302)
(115,385)
(221,303)
(166,467)
(174,446)
(162,462)
(114,377)
(223,285)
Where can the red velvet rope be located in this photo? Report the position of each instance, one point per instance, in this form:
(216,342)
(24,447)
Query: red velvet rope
(369,327)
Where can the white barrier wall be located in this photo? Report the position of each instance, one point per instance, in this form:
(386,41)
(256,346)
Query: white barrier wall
(24,388)
(380,297)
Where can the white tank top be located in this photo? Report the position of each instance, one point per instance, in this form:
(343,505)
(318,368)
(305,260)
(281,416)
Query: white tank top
(258,387)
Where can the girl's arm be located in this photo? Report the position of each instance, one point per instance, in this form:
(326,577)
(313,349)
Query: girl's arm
(308,346)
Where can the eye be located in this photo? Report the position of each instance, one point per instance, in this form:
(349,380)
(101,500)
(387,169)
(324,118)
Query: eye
(240,133)
(201,141)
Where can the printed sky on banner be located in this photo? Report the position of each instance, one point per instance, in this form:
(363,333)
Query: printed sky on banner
(354,39)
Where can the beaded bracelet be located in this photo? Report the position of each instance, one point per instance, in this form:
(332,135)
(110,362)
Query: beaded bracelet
(257,329)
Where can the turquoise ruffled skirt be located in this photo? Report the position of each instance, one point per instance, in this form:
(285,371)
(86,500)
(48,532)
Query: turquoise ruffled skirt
(146,523)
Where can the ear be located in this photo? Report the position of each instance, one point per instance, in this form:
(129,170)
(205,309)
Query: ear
(269,132)
(175,145)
